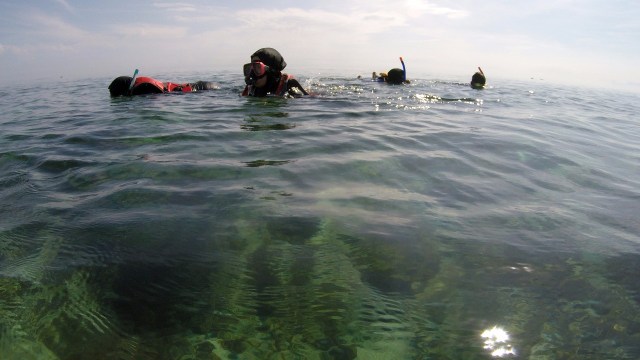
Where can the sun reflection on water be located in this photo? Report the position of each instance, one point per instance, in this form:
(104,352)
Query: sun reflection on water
(497,342)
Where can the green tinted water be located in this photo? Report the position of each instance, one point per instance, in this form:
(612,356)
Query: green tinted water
(429,221)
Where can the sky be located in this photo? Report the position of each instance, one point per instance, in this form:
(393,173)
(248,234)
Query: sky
(593,43)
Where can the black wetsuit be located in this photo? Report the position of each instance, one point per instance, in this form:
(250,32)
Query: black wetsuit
(291,88)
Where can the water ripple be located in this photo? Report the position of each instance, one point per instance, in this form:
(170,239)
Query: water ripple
(364,221)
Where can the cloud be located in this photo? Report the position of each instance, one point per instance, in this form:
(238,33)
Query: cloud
(417,8)
(44,34)
(150,31)
(296,19)
(438,37)
(176,7)
(54,27)
(66,5)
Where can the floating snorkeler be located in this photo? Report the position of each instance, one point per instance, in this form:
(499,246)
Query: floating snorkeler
(478,79)
(394,76)
(128,86)
(264,76)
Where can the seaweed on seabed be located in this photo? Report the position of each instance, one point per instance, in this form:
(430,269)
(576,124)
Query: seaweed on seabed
(603,311)
(24,291)
(293,322)
(74,313)
(53,309)
(443,331)
(354,318)
(582,313)
(308,297)
(574,312)
(276,267)
(318,292)
(231,326)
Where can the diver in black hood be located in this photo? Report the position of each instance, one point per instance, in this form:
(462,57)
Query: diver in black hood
(478,80)
(264,76)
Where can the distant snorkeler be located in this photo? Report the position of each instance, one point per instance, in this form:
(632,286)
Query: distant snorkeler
(382,77)
(394,76)
(264,76)
(128,86)
(478,80)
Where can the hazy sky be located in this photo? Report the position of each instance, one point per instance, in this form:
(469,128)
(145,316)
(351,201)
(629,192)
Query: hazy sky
(588,42)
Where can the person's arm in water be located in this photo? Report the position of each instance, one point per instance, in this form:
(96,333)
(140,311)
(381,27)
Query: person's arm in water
(294,85)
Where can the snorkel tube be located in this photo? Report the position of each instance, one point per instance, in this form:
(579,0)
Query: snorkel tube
(404,70)
(133,80)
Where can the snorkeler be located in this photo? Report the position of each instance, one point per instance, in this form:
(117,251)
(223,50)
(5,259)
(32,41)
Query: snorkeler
(394,76)
(127,86)
(379,77)
(478,79)
(264,76)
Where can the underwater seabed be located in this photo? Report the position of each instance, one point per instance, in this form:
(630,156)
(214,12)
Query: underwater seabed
(296,288)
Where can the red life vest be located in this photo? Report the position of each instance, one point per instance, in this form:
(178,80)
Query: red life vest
(281,90)
(178,87)
(282,85)
(147,85)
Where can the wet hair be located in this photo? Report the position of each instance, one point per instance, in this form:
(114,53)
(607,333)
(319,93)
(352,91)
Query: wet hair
(395,76)
(478,80)
(120,86)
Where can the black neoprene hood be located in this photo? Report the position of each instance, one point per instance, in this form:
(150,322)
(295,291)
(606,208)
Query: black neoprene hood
(270,57)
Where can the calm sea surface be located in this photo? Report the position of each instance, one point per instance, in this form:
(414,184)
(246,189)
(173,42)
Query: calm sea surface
(425,221)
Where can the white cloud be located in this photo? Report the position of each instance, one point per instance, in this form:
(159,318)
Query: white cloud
(66,5)
(436,38)
(356,21)
(176,7)
(45,33)
(154,31)
(299,20)
(417,8)
(51,26)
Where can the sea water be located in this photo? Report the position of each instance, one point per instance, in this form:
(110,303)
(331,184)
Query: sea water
(368,221)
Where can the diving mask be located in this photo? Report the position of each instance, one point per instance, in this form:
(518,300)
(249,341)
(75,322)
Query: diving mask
(255,69)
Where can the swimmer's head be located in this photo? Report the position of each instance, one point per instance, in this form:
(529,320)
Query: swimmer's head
(478,80)
(270,57)
(120,86)
(265,63)
(395,76)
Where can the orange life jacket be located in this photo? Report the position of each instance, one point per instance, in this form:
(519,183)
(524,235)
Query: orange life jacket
(281,89)
(282,85)
(146,85)
(178,87)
